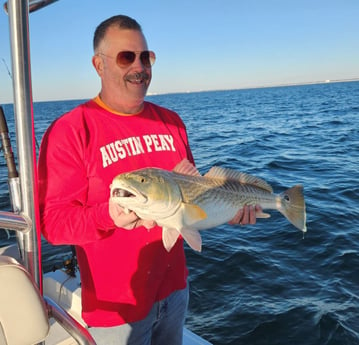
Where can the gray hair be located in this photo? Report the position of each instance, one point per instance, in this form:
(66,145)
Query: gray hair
(121,21)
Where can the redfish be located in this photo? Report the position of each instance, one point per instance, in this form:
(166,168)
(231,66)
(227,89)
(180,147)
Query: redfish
(184,202)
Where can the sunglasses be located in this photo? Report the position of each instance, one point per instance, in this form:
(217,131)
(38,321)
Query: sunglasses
(127,58)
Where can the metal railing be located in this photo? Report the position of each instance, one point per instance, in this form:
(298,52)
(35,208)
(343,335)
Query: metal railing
(25,219)
(33,5)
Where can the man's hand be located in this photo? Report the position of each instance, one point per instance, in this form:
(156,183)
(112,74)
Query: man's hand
(129,220)
(246,215)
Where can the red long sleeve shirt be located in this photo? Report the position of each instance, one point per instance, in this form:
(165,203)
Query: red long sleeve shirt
(123,272)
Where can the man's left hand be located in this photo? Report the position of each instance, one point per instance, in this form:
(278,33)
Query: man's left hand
(246,215)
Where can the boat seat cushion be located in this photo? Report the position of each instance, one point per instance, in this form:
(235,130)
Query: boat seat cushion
(23,316)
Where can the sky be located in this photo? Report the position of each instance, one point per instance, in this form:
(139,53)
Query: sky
(200,44)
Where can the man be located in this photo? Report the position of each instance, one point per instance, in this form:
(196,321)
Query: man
(131,286)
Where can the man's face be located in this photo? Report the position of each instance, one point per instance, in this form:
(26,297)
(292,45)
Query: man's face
(128,83)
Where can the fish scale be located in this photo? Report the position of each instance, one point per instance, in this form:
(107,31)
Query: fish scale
(199,190)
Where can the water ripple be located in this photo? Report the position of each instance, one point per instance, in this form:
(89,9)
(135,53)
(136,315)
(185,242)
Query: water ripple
(267,284)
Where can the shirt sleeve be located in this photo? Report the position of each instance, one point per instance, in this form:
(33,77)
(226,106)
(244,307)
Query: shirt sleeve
(66,218)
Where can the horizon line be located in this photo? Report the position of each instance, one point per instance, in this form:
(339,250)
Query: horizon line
(263,86)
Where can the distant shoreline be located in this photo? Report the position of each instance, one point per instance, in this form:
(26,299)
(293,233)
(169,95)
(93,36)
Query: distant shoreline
(328,81)
(151,94)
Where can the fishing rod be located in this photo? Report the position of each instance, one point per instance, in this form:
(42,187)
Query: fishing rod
(13,175)
(6,147)
(7,68)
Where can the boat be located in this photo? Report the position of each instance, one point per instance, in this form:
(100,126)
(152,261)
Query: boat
(35,307)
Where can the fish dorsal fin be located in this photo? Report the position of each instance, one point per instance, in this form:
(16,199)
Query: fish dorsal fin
(185,167)
(233,175)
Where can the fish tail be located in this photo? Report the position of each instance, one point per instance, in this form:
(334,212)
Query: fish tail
(293,207)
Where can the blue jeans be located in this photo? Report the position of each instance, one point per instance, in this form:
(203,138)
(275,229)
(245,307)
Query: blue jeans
(162,326)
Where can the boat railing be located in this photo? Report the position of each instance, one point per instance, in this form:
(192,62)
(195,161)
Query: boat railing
(18,13)
(24,219)
(74,328)
(34,5)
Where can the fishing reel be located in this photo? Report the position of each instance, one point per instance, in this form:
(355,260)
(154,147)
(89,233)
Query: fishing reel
(69,264)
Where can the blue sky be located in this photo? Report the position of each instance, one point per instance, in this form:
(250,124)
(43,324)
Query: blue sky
(200,44)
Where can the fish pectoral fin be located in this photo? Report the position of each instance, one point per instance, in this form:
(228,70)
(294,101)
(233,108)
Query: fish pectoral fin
(193,238)
(169,237)
(193,213)
(262,215)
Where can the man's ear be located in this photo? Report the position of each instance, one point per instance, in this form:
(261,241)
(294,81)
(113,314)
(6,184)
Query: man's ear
(97,62)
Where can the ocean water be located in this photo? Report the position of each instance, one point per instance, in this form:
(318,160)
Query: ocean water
(267,283)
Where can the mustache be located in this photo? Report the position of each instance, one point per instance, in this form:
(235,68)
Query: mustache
(138,76)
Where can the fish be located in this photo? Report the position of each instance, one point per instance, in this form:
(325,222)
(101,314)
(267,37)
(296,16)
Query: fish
(183,202)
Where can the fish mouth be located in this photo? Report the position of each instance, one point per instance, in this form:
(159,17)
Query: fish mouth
(121,193)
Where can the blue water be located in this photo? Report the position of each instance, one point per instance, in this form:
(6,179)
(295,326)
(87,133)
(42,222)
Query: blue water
(267,284)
